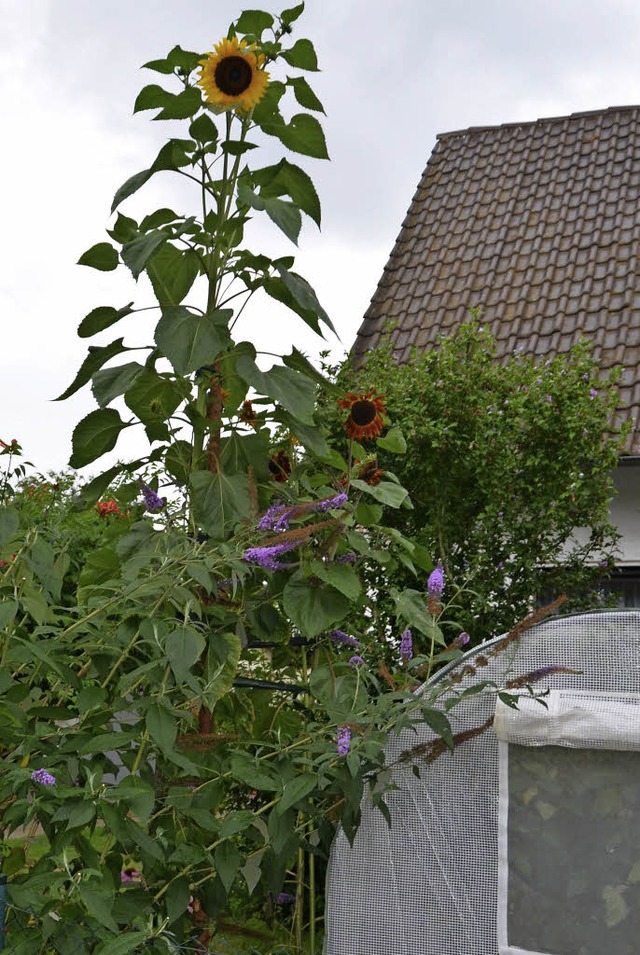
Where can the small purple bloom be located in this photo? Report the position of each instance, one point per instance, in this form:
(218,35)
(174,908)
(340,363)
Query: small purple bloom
(152,501)
(346,558)
(462,640)
(43,777)
(339,636)
(593,393)
(285,898)
(548,398)
(356,660)
(270,516)
(406,645)
(129,875)
(343,740)
(603,563)
(435,583)
(332,503)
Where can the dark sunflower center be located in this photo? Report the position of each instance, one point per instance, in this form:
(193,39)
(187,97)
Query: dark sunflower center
(233,75)
(363,412)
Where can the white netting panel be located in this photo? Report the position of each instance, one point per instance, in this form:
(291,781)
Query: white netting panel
(583,719)
(429,884)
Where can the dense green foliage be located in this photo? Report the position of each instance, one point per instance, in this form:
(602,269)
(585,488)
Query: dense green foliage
(504,460)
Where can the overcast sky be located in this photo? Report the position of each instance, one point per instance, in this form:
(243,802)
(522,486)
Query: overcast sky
(394,73)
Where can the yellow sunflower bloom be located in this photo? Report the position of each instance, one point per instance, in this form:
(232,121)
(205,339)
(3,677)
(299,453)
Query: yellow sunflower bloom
(233,76)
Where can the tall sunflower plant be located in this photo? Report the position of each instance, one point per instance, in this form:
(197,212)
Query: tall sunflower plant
(187,717)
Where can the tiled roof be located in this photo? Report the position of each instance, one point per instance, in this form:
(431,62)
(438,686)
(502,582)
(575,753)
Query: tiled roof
(536,223)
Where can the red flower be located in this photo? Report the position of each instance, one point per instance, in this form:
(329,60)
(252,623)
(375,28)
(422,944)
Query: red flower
(366,412)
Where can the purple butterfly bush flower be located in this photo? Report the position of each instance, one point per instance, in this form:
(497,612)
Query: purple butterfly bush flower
(343,740)
(406,645)
(43,777)
(356,660)
(339,636)
(332,503)
(285,898)
(266,556)
(346,558)
(270,516)
(435,583)
(152,501)
(462,640)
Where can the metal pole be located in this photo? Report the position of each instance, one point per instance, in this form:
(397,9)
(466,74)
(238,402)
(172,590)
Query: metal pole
(3,901)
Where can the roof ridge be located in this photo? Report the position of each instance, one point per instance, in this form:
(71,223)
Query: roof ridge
(538,122)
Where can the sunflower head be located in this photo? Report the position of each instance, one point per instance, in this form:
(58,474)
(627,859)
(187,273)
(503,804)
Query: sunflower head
(233,76)
(366,412)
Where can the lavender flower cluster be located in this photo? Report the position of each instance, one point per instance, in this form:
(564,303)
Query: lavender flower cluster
(152,501)
(277,517)
(43,777)
(343,740)
(435,583)
(266,556)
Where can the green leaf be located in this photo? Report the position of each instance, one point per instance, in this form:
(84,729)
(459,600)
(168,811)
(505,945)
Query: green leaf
(101,318)
(301,364)
(255,774)
(313,607)
(227,861)
(252,870)
(387,492)
(162,727)
(301,55)
(439,723)
(234,147)
(108,383)
(179,460)
(203,129)
(125,944)
(9,524)
(289,16)
(296,790)
(393,441)
(304,94)
(184,60)
(102,256)
(283,385)
(287,178)
(302,134)
(153,398)
(139,796)
(136,253)
(313,439)
(411,606)
(172,272)
(96,434)
(254,21)
(97,357)
(8,608)
(304,295)
(184,647)
(221,668)
(177,898)
(182,105)
(340,576)
(189,340)
(284,214)
(98,902)
(219,501)
(146,843)
(152,97)
(131,186)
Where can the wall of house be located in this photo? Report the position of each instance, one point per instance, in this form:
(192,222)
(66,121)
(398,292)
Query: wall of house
(625,511)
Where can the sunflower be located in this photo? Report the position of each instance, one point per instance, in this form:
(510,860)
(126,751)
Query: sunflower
(233,75)
(365,414)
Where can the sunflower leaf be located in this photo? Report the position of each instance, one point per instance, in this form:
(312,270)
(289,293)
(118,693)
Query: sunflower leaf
(100,318)
(96,434)
(304,94)
(254,21)
(97,357)
(102,256)
(288,16)
(136,253)
(152,97)
(182,105)
(302,134)
(305,296)
(289,179)
(301,55)
(190,340)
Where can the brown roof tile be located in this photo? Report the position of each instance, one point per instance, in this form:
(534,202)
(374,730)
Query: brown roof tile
(537,223)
